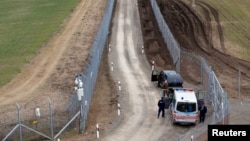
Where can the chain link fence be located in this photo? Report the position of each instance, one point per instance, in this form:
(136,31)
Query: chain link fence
(49,123)
(53,122)
(202,73)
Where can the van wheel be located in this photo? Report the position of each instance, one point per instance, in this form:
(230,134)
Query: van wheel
(173,122)
(195,123)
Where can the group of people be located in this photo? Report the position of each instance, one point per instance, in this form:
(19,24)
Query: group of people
(161,110)
(163,103)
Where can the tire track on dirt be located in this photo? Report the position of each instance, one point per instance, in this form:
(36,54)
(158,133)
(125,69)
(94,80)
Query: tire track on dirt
(226,66)
(71,45)
(215,15)
(41,68)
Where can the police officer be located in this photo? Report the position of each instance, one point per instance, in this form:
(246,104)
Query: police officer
(161,107)
(203,111)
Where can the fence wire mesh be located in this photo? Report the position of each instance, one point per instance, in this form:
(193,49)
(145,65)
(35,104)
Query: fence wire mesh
(53,121)
(202,73)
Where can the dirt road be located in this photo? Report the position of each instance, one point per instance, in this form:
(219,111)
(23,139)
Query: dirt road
(46,74)
(140,96)
(156,51)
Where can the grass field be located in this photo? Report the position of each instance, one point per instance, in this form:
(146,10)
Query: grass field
(235,19)
(25,26)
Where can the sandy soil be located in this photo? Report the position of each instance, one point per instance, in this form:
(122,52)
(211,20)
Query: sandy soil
(63,56)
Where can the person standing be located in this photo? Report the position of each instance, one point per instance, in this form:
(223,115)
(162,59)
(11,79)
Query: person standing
(165,98)
(203,111)
(161,107)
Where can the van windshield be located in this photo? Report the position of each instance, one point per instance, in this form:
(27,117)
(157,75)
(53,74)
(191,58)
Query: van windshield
(186,107)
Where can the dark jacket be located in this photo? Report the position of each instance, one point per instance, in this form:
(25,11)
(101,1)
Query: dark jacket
(203,110)
(161,104)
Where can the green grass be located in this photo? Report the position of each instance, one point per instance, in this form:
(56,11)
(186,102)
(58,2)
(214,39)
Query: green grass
(25,25)
(235,18)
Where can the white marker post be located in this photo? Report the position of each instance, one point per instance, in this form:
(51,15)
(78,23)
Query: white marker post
(112,66)
(119,107)
(119,85)
(97,131)
(142,49)
(153,65)
(192,138)
(109,48)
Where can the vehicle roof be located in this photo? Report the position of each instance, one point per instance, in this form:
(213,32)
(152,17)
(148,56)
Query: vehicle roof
(185,95)
(171,72)
(173,77)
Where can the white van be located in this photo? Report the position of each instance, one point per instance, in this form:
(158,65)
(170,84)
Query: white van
(184,106)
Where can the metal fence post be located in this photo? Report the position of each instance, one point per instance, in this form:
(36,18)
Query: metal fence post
(19,120)
(51,120)
(239,83)
(81,120)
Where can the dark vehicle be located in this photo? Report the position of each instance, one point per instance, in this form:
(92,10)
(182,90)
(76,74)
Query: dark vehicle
(167,78)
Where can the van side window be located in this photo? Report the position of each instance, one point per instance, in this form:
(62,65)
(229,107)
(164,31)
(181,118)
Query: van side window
(155,72)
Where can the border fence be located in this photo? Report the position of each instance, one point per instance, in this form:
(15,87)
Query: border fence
(52,123)
(79,105)
(214,93)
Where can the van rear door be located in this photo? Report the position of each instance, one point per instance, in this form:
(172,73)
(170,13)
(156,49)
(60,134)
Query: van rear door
(186,112)
(154,75)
